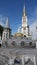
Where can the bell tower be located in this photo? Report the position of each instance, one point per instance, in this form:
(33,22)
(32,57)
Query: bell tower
(6,31)
(25,27)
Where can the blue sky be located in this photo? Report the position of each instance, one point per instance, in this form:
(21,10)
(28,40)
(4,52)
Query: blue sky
(13,10)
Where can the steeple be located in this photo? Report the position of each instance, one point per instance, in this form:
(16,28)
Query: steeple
(24,11)
(7,23)
(7,31)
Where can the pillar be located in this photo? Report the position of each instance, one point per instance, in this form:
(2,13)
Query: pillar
(34,60)
(10,61)
(23,60)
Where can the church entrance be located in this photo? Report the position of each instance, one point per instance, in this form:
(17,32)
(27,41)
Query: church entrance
(29,62)
(17,61)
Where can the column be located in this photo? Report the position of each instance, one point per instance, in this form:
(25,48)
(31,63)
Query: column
(34,61)
(10,61)
(23,60)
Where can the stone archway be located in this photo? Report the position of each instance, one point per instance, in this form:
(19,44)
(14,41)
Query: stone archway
(17,61)
(29,62)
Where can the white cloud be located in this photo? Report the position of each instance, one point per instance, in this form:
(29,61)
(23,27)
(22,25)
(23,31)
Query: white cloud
(34,24)
(33,29)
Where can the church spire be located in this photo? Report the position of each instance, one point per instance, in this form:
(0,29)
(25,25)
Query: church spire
(7,31)
(24,11)
(7,23)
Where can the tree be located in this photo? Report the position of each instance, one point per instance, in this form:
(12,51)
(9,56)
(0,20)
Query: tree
(1,30)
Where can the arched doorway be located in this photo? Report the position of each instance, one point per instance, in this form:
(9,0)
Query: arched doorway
(29,62)
(17,61)
(22,43)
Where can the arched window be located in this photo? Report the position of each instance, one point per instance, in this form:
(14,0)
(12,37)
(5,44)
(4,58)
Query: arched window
(30,43)
(22,43)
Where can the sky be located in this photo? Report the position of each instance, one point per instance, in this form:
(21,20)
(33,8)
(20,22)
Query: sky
(33,30)
(13,9)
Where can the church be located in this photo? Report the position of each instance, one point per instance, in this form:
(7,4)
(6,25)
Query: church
(18,49)
(23,35)
(23,30)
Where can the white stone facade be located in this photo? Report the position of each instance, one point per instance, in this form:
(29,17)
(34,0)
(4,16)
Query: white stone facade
(25,27)
(6,31)
(5,34)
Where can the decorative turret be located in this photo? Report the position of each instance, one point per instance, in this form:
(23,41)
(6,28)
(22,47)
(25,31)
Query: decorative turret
(6,31)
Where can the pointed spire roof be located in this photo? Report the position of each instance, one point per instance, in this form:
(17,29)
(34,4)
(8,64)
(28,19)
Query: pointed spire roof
(7,23)
(24,8)
(24,11)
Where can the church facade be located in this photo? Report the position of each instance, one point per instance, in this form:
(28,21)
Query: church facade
(24,27)
(19,49)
